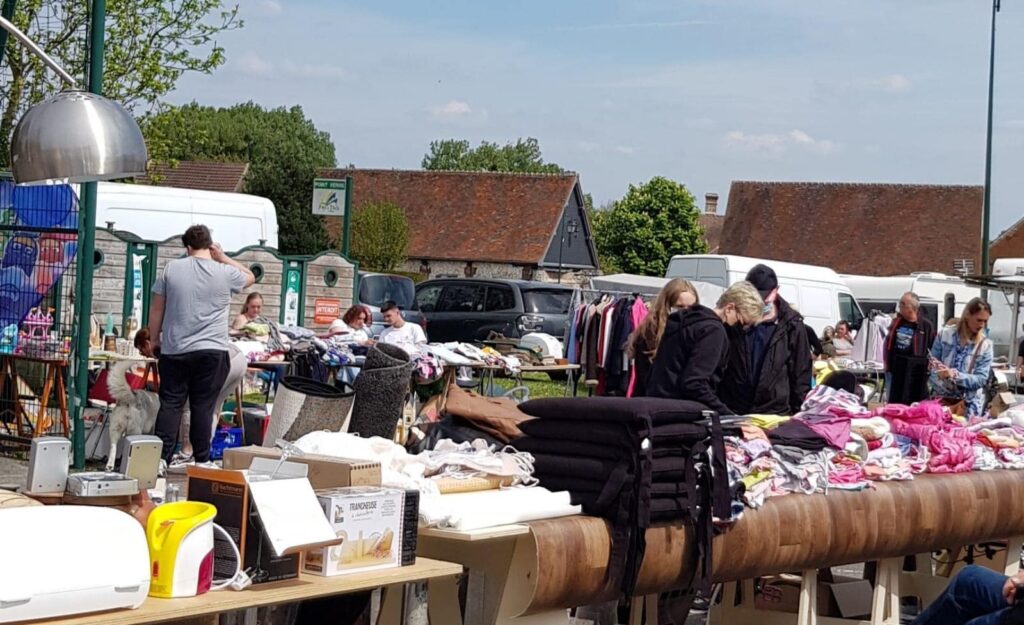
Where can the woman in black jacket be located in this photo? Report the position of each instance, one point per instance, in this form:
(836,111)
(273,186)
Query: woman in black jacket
(694,347)
(643,344)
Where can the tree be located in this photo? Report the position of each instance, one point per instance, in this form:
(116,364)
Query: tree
(643,230)
(283,148)
(380,236)
(521,156)
(150,44)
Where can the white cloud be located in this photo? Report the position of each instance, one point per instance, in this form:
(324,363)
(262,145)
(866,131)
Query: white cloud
(625,149)
(632,25)
(252,64)
(267,7)
(452,109)
(775,145)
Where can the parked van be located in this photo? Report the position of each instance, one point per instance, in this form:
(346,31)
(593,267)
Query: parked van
(156,213)
(942,297)
(818,292)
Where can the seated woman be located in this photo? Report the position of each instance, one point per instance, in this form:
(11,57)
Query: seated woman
(354,325)
(961,360)
(643,343)
(251,313)
(977,596)
(843,340)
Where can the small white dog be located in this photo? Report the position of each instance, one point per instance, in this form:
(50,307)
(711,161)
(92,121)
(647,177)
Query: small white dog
(134,413)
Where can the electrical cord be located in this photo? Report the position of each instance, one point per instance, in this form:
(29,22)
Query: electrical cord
(240,580)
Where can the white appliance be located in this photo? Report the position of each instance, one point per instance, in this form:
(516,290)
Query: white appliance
(549,346)
(70,560)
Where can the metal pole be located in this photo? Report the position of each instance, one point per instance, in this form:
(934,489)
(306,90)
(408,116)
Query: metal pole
(1014,320)
(987,207)
(346,235)
(6,25)
(561,246)
(87,247)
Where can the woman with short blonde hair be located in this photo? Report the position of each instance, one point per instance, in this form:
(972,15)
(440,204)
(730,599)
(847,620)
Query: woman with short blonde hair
(694,347)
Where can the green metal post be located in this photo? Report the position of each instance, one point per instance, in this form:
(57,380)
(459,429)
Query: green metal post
(87,245)
(346,235)
(8,13)
(987,207)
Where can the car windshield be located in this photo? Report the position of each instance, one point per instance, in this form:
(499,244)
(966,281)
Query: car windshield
(375,290)
(549,301)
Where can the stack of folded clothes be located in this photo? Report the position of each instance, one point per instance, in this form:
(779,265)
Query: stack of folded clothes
(636,462)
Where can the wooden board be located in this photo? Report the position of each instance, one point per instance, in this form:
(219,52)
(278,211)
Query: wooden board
(569,556)
(305,587)
(482,534)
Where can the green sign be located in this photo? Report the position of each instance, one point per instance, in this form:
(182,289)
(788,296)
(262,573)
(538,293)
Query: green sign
(291,296)
(329,197)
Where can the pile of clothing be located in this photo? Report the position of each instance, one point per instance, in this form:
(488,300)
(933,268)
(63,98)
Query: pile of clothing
(635,462)
(835,443)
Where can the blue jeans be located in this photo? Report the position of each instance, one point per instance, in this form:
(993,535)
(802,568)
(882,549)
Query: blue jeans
(974,597)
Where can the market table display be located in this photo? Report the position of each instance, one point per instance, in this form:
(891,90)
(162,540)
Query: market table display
(305,587)
(32,415)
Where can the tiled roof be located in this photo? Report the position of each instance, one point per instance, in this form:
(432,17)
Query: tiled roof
(712,224)
(865,229)
(1010,243)
(200,175)
(467,216)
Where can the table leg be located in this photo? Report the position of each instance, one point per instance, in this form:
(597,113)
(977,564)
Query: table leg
(808,614)
(62,400)
(392,603)
(443,601)
(43,417)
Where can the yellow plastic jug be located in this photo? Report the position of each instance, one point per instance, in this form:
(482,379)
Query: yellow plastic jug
(180,537)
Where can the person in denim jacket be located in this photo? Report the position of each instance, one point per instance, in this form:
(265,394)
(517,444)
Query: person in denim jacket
(961,359)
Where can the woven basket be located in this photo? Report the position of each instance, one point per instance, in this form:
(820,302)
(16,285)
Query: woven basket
(303,406)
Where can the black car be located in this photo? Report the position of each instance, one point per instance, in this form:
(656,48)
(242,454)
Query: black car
(468,309)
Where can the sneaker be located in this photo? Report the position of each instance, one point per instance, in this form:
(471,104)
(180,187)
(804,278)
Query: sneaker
(209,464)
(179,464)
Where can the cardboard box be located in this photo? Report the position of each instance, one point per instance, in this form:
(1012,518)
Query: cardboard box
(842,597)
(1003,402)
(369,522)
(324,471)
(237,512)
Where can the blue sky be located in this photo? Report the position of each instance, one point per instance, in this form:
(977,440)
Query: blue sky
(704,92)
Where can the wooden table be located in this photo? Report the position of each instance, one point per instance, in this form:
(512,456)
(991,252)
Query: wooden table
(487,553)
(54,373)
(202,608)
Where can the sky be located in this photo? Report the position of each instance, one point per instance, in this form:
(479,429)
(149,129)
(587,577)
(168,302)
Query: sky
(703,91)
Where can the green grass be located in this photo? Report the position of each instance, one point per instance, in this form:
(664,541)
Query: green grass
(540,385)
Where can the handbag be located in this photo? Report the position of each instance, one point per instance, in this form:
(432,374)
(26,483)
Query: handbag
(958,405)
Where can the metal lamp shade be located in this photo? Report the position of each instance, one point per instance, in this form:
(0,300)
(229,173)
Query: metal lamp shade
(77,136)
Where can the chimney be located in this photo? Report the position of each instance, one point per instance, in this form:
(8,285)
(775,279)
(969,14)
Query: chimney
(711,203)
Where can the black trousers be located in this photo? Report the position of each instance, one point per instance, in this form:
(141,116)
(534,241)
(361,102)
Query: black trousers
(195,378)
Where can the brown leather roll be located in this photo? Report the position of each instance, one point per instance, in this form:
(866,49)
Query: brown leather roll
(790,533)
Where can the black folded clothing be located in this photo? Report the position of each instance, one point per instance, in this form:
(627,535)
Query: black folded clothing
(797,434)
(538,446)
(616,409)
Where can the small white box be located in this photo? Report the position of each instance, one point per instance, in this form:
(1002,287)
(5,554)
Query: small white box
(369,522)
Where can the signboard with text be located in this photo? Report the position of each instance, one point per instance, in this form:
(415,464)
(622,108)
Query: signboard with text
(329,197)
(326,310)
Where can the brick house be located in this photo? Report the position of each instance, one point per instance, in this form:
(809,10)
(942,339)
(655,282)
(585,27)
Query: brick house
(483,224)
(1009,243)
(854,228)
(200,175)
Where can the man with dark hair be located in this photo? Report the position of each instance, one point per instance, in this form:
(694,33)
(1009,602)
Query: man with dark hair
(188,326)
(769,367)
(399,332)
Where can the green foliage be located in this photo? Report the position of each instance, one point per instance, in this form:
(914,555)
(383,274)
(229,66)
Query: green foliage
(150,44)
(597,218)
(380,236)
(521,156)
(283,148)
(643,230)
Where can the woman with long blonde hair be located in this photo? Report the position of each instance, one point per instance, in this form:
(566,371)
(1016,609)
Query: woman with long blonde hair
(643,344)
(961,360)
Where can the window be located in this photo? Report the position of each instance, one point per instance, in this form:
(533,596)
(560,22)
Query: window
(330,277)
(426,298)
(376,289)
(461,298)
(98,258)
(547,301)
(257,272)
(500,298)
(849,310)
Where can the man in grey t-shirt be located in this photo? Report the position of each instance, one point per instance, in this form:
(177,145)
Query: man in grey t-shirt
(188,323)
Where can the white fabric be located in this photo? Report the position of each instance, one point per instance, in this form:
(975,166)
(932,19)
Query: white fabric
(344,333)
(489,508)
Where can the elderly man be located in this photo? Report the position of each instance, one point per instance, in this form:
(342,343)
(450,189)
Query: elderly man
(906,352)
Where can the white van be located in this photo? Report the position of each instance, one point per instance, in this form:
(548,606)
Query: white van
(818,292)
(942,297)
(157,213)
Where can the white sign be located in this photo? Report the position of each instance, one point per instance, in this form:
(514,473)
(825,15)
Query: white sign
(329,197)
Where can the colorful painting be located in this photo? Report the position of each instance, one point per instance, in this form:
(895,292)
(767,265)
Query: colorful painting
(41,223)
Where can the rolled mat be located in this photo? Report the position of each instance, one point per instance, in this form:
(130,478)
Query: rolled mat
(303,405)
(381,388)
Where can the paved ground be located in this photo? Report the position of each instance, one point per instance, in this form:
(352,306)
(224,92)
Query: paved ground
(12,471)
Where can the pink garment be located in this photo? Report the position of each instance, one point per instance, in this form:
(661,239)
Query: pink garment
(835,430)
(639,313)
(951,445)
(928,412)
